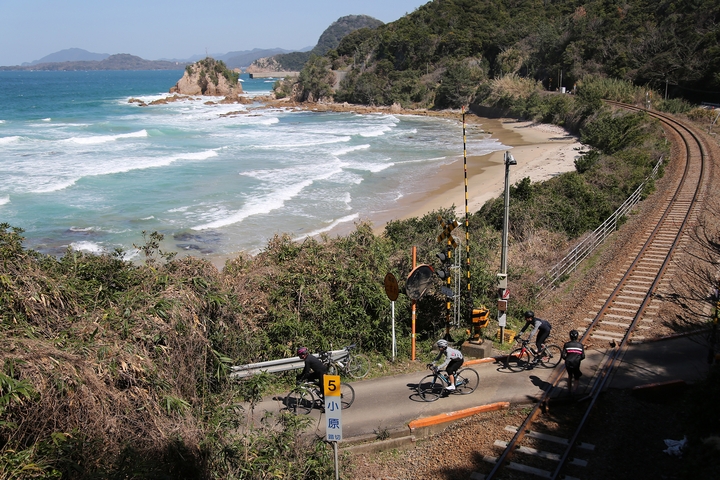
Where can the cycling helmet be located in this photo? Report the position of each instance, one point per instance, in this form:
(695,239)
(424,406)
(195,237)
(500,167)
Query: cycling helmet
(302,351)
(573,335)
(442,343)
(529,314)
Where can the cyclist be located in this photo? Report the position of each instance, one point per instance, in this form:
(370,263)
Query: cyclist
(314,369)
(540,327)
(453,360)
(573,353)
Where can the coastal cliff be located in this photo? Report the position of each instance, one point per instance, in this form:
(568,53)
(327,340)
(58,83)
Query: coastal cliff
(208,77)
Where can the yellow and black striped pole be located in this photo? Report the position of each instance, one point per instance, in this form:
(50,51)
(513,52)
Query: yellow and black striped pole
(467,224)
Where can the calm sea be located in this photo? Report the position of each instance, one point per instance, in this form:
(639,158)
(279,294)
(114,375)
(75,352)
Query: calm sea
(81,167)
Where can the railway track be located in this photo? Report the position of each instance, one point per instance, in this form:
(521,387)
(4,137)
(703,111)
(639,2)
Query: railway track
(626,311)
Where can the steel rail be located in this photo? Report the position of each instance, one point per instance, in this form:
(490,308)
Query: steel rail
(610,361)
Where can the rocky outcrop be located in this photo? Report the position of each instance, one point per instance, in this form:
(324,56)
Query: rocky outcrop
(208,77)
(267,64)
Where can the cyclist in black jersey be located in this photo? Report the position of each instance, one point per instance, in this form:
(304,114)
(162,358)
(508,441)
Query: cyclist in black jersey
(314,369)
(540,327)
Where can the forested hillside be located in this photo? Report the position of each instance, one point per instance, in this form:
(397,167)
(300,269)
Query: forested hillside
(329,40)
(441,54)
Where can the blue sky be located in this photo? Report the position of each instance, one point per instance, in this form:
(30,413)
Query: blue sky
(154,29)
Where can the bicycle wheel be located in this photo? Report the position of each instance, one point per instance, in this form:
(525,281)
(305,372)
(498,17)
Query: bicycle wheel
(430,388)
(551,356)
(300,401)
(332,368)
(347,395)
(518,360)
(466,381)
(358,365)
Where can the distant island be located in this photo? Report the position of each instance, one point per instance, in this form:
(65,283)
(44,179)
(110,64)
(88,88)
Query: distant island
(121,61)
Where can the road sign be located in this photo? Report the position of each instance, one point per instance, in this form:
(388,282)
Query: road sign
(333,408)
(391,287)
(506,294)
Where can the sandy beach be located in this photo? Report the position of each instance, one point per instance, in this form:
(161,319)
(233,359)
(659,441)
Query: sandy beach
(541,151)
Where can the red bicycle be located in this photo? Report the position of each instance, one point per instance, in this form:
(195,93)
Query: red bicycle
(525,358)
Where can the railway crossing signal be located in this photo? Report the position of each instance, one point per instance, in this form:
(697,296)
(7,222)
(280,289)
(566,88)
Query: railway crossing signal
(447,270)
(448,226)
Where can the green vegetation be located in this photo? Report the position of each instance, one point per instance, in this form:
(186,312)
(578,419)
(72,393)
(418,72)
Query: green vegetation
(439,55)
(110,369)
(88,340)
(329,40)
(212,69)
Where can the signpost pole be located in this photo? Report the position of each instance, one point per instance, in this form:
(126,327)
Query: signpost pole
(394,345)
(337,464)
(333,418)
(414,260)
(392,291)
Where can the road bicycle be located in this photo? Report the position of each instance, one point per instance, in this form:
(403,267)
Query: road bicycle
(432,386)
(307,395)
(350,364)
(525,358)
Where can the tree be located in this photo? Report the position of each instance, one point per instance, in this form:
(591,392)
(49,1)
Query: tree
(316,80)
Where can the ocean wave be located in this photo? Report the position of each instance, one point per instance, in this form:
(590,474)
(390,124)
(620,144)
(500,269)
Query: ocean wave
(8,140)
(106,138)
(347,150)
(203,155)
(54,184)
(377,132)
(328,141)
(264,204)
(333,224)
(90,247)
(4,200)
(370,167)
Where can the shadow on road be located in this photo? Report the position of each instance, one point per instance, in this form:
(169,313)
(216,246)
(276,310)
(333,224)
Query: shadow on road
(541,384)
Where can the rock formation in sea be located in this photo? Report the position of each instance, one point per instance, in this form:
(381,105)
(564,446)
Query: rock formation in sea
(208,77)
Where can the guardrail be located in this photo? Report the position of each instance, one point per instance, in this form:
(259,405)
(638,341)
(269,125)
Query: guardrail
(568,264)
(276,366)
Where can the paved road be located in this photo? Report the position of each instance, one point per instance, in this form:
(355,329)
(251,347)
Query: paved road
(390,403)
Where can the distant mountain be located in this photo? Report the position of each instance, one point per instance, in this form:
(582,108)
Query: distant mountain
(121,61)
(245,58)
(70,55)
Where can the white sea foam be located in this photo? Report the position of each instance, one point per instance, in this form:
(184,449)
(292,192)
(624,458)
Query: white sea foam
(4,200)
(57,182)
(204,155)
(47,119)
(371,167)
(346,150)
(106,138)
(90,247)
(8,140)
(325,141)
(335,223)
(266,203)
(376,132)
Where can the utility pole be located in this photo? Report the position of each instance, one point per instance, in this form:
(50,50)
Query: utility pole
(502,276)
